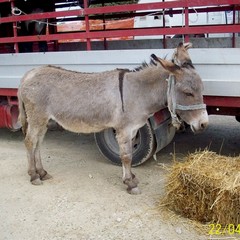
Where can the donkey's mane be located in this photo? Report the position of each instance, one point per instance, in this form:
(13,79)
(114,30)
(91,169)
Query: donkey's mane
(145,65)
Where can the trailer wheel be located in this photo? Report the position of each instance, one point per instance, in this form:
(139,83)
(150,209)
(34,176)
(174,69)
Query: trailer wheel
(143,145)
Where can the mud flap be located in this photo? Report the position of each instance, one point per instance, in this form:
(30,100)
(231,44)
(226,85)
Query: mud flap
(163,129)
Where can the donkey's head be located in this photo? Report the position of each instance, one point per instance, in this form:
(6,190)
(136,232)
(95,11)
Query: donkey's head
(185,95)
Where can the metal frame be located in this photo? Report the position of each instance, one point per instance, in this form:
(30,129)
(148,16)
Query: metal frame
(86,14)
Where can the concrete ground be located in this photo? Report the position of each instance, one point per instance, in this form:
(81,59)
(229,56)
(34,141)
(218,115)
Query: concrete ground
(86,198)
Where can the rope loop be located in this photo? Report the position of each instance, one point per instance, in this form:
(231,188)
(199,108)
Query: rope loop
(16,11)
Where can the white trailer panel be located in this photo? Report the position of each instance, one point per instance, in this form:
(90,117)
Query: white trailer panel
(219,68)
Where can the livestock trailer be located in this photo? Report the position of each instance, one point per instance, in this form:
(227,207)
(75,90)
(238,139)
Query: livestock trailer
(92,36)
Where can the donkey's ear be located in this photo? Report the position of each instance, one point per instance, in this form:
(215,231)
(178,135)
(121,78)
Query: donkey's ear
(169,66)
(154,57)
(187,45)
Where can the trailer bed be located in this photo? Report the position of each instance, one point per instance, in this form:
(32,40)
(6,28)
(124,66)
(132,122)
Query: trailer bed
(219,67)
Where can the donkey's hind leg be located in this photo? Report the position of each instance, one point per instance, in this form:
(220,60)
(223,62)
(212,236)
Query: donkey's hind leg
(39,167)
(125,148)
(34,136)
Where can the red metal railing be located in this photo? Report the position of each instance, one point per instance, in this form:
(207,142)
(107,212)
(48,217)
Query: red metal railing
(87,13)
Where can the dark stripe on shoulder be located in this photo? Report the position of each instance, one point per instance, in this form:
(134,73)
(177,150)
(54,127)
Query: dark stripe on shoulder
(120,78)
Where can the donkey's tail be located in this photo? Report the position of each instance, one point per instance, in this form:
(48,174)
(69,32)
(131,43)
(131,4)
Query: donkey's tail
(22,114)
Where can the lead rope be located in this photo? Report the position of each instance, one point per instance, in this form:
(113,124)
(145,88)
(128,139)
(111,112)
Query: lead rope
(172,102)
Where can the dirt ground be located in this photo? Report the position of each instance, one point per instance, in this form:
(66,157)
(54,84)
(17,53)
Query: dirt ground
(86,198)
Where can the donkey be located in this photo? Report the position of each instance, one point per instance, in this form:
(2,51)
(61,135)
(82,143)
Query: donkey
(91,102)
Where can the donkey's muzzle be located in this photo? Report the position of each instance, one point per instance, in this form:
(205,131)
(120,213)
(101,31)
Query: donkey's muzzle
(199,127)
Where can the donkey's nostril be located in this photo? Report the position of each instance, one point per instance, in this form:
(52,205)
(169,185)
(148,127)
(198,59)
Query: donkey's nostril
(204,125)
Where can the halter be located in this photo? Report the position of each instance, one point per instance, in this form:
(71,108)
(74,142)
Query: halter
(173,106)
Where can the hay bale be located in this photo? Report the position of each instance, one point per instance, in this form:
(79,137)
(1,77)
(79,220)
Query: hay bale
(205,187)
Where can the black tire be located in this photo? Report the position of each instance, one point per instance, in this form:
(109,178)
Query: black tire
(238,118)
(143,145)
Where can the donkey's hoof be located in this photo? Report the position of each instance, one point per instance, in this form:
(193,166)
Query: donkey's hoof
(135,181)
(46,177)
(134,191)
(37,181)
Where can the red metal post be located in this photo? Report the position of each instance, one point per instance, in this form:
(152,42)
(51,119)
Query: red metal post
(87,25)
(105,44)
(15,30)
(186,14)
(234,21)
(164,25)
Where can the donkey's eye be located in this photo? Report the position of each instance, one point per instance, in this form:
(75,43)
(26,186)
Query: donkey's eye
(188,94)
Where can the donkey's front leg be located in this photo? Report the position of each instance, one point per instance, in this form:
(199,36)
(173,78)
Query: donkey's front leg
(125,147)
(128,177)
